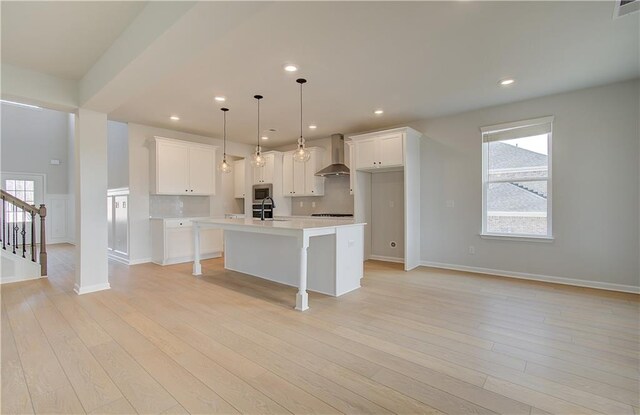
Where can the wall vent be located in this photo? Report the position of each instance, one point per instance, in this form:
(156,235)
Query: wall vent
(624,7)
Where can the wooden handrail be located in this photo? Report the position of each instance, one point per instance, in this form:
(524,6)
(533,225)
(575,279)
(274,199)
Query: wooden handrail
(19,203)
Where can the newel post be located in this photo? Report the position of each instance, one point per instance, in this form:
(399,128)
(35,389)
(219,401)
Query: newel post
(43,240)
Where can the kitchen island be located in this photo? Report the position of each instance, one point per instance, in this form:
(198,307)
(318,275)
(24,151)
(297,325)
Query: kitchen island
(324,256)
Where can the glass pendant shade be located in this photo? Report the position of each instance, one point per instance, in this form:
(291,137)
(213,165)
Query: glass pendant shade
(257,159)
(224,167)
(301,155)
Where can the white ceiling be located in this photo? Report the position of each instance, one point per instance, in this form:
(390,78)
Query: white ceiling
(413,59)
(62,38)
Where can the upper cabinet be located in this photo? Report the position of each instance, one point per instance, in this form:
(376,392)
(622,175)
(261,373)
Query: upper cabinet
(239,186)
(181,167)
(299,179)
(265,174)
(385,150)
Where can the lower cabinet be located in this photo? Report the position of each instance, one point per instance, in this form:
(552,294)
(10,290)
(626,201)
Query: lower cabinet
(172,241)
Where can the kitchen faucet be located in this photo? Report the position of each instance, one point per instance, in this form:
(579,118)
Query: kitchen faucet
(273,206)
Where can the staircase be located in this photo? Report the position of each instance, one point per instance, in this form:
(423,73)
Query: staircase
(21,258)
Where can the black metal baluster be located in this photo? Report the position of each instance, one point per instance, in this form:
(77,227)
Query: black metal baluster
(24,234)
(4,219)
(14,227)
(33,237)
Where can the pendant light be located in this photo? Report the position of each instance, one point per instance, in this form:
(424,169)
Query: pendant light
(224,166)
(301,155)
(257,159)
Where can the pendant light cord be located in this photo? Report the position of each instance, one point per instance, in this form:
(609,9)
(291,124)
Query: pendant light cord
(300,143)
(258,136)
(224,135)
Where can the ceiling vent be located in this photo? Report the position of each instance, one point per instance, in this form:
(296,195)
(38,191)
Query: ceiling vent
(624,7)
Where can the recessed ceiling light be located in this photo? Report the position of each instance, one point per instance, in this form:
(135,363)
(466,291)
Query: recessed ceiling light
(264,137)
(174,118)
(378,112)
(313,126)
(506,82)
(220,98)
(290,68)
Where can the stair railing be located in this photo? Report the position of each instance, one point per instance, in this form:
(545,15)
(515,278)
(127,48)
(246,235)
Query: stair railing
(14,232)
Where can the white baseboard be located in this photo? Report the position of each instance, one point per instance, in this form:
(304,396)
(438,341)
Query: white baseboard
(90,288)
(536,277)
(386,259)
(139,261)
(119,259)
(8,280)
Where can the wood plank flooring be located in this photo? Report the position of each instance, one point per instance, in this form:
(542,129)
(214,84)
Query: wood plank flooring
(421,342)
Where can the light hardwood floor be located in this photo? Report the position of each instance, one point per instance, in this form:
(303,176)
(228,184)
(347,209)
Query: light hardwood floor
(426,341)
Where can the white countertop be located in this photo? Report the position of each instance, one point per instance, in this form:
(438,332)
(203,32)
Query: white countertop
(290,224)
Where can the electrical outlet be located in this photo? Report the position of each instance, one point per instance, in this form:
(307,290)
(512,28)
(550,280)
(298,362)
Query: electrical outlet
(392,203)
(313,204)
(472,250)
(451,203)
(301,204)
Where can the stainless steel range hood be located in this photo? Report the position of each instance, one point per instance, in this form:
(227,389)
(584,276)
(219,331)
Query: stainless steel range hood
(337,167)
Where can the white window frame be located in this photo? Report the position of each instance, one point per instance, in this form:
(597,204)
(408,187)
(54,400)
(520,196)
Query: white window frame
(485,179)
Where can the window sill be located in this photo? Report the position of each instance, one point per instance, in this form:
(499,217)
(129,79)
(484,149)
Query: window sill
(544,239)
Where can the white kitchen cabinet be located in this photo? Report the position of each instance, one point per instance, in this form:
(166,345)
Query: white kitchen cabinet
(351,161)
(239,185)
(383,151)
(265,174)
(173,241)
(180,167)
(381,156)
(299,179)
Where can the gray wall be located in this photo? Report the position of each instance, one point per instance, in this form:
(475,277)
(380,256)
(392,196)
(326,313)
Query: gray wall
(387,214)
(117,155)
(596,185)
(31,138)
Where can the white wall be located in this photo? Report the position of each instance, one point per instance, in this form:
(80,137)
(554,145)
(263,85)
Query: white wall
(596,188)
(139,225)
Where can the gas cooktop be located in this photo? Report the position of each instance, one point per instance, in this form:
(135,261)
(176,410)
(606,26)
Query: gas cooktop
(334,215)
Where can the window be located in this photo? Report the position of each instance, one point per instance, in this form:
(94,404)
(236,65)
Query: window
(516,179)
(23,190)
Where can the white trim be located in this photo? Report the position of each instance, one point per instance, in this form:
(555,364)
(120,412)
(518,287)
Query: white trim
(516,124)
(386,258)
(8,280)
(118,258)
(502,213)
(91,288)
(139,261)
(537,277)
(518,238)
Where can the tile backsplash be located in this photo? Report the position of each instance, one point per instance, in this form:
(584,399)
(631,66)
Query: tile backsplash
(336,199)
(178,206)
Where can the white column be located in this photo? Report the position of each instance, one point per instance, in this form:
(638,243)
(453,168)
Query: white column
(91,202)
(302,298)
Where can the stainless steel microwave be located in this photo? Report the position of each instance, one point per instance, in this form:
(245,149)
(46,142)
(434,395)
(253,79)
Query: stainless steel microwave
(261,191)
